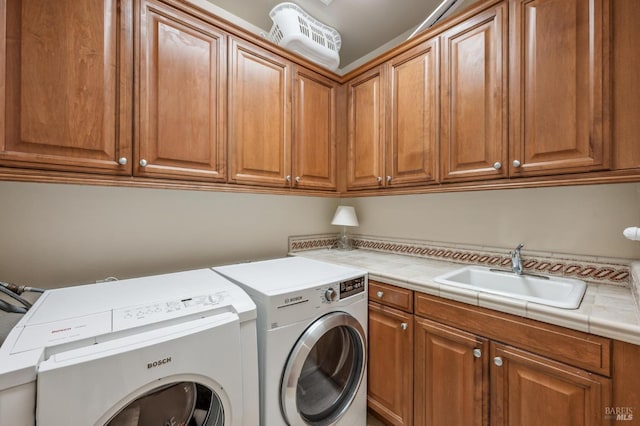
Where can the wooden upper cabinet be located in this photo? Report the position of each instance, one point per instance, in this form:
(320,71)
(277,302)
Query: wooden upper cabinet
(182,96)
(259,116)
(625,98)
(66,85)
(474,98)
(451,376)
(528,389)
(365,133)
(314,131)
(559,86)
(412,140)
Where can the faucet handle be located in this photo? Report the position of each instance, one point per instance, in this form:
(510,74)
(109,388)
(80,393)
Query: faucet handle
(516,260)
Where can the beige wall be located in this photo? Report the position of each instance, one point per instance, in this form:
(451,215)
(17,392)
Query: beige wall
(584,220)
(56,235)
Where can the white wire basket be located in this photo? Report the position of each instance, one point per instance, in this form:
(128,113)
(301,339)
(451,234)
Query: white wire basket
(296,30)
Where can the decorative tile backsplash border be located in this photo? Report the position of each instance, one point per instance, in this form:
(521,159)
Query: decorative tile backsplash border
(312,242)
(635,281)
(588,268)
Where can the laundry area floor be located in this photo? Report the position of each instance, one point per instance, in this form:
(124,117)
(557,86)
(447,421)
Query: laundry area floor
(372,421)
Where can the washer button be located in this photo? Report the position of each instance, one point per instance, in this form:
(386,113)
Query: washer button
(330,295)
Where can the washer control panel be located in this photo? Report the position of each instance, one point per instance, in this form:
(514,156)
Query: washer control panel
(341,290)
(351,287)
(330,295)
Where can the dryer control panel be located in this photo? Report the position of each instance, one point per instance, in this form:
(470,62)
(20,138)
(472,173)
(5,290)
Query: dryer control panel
(133,316)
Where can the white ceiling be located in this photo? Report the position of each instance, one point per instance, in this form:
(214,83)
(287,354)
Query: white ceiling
(364,25)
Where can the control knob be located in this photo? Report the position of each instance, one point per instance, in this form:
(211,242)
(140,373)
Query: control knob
(330,295)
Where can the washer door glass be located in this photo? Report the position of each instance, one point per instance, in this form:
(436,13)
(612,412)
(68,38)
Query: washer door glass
(324,371)
(176,404)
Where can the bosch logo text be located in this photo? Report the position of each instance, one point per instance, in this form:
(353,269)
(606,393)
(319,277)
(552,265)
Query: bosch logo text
(160,362)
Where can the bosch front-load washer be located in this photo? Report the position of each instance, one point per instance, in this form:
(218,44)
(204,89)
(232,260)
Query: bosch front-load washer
(312,340)
(174,349)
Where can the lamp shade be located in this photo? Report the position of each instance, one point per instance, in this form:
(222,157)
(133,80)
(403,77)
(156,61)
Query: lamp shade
(345,216)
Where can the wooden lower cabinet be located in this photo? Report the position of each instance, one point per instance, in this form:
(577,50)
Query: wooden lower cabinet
(527,389)
(451,380)
(390,373)
(460,366)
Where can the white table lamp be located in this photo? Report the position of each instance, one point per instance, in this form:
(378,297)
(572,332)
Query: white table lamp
(345,216)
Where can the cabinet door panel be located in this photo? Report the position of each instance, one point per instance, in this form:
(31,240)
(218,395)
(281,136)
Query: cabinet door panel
(314,145)
(366,131)
(528,390)
(259,116)
(474,101)
(625,99)
(413,119)
(559,59)
(66,86)
(182,96)
(451,383)
(390,367)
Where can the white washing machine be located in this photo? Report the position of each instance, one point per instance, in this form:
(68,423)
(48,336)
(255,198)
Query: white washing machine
(312,340)
(174,349)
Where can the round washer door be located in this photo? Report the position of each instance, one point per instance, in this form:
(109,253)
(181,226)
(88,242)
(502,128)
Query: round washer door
(324,371)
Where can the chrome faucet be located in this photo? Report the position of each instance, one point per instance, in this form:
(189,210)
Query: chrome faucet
(516,260)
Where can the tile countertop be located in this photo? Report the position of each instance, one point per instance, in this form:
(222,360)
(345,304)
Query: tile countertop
(606,310)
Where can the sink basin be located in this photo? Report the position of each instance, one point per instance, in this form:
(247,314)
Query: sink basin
(558,292)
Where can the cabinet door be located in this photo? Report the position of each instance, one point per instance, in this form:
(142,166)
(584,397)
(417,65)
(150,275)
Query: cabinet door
(65,85)
(527,389)
(259,116)
(625,99)
(559,61)
(413,120)
(314,123)
(365,157)
(451,376)
(182,81)
(474,98)
(390,368)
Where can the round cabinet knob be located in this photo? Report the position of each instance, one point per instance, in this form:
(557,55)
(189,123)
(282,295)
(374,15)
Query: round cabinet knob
(516,163)
(122,161)
(477,353)
(297,179)
(379,179)
(388,179)
(497,361)
(380,294)
(404,326)
(143,163)
(288,178)
(330,295)
(497,165)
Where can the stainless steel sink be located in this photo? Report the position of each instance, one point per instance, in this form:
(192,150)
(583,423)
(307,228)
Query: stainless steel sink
(558,292)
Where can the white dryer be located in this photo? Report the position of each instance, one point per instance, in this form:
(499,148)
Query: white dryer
(312,340)
(174,349)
